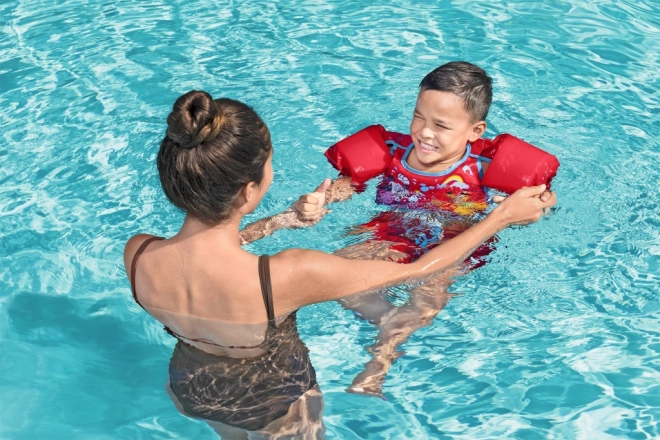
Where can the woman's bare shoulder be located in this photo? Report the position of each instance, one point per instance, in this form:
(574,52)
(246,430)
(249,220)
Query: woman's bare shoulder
(131,248)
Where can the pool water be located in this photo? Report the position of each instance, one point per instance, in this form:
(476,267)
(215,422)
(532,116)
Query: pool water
(557,337)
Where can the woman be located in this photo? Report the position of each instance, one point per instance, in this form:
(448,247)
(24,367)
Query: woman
(215,164)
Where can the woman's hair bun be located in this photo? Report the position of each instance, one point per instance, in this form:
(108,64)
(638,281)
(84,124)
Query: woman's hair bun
(194,120)
(211,151)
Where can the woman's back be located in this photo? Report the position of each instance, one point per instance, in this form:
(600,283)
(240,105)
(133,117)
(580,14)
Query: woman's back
(244,393)
(209,298)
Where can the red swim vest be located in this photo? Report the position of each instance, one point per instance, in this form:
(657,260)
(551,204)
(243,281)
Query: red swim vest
(513,163)
(455,189)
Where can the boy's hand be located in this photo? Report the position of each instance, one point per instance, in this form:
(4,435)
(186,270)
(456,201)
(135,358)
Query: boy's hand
(311,207)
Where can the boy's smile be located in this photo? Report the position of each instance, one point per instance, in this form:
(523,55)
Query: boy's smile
(440,129)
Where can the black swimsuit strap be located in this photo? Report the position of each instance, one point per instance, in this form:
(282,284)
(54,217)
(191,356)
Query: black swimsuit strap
(141,249)
(266,287)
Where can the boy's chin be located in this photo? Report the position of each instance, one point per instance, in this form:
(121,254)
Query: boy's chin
(429,166)
(429,159)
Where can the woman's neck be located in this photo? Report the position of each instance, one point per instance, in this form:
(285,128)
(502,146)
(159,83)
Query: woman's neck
(225,232)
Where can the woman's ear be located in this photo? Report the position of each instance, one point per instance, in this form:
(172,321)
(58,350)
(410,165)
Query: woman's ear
(250,190)
(478,129)
(245,197)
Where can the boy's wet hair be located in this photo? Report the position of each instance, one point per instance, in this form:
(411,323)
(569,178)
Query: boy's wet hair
(211,150)
(466,80)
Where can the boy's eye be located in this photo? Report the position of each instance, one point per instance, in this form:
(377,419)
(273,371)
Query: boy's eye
(441,126)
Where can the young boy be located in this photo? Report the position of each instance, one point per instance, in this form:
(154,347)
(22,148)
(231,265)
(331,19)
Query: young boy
(443,162)
(435,163)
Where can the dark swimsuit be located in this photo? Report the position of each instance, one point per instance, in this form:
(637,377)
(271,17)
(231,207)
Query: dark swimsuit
(247,393)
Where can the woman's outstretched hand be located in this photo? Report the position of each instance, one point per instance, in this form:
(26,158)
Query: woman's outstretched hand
(525,206)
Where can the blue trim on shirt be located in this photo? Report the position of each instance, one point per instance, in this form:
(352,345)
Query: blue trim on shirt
(441,173)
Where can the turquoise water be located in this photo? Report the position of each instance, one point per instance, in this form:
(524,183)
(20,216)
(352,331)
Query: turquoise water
(557,337)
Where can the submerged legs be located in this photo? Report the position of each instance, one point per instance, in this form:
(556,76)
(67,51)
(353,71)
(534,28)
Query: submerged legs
(426,301)
(395,324)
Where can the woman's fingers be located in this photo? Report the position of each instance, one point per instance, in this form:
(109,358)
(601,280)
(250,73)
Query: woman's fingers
(550,199)
(532,191)
(546,196)
(309,199)
(311,206)
(529,191)
(311,212)
(527,205)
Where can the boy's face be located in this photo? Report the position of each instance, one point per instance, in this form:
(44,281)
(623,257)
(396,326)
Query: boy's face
(441,130)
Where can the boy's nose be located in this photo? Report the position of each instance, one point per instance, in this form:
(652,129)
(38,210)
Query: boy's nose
(426,133)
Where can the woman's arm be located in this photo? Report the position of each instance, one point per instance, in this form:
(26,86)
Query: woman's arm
(302,277)
(266,226)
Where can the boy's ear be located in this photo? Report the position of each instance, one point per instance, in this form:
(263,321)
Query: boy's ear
(478,130)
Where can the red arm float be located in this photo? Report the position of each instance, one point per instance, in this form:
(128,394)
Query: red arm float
(362,155)
(515,164)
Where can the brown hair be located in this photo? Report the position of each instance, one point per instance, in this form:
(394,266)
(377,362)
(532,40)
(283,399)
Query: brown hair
(211,150)
(465,80)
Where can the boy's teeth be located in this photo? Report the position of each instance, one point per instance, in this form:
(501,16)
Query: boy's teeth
(427,146)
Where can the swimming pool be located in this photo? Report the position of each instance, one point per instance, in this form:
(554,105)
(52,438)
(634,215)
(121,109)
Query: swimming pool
(557,337)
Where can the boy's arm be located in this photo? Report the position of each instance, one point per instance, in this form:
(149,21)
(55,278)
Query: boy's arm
(340,189)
